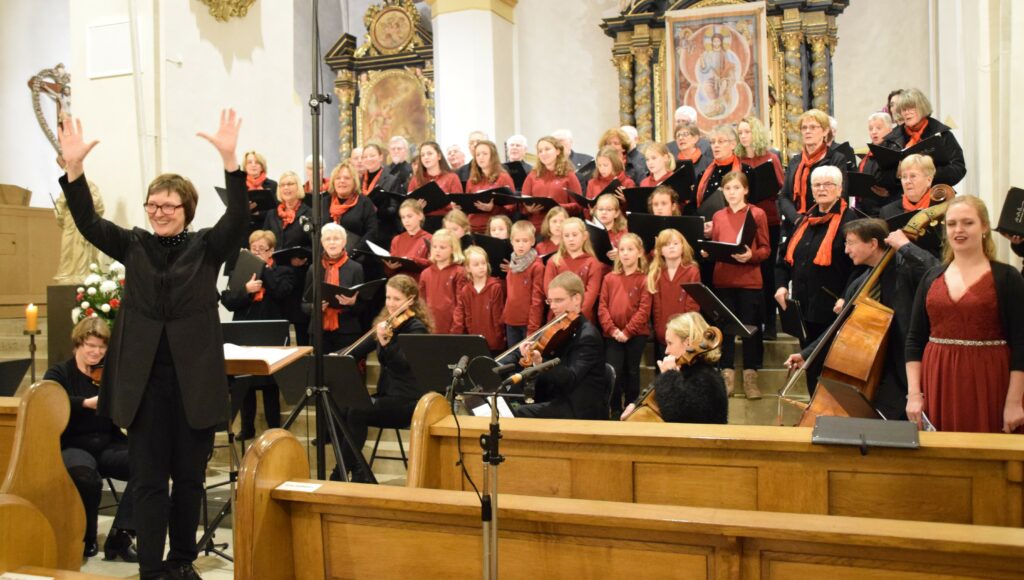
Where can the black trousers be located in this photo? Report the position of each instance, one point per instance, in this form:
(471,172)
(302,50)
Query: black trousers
(387,412)
(768,280)
(87,471)
(271,406)
(163,446)
(746,305)
(625,358)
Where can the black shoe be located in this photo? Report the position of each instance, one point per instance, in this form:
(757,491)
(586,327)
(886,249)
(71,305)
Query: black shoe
(246,435)
(182,572)
(119,545)
(91,549)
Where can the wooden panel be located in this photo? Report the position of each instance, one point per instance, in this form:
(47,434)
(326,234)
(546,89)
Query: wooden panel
(393,550)
(901,496)
(8,420)
(696,485)
(801,571)
(527,558)
(548,477)
(616,479)
(30,246)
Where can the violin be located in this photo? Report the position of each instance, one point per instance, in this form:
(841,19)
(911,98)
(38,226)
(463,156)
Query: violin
(554,336)
(393,321)
(645,408)
(96,374)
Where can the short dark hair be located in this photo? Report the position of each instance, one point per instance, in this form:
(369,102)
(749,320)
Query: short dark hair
(180,185)
(696,394)
(868,229)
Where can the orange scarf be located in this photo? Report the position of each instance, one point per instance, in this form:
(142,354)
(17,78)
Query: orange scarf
(368,185)
(286,214)
(925,201)
(915,133)
(864,161)
(692,156)
(259,294)
(807,161)
(702,188)
(824,255)
(338,208)
(255,182)
(332,269)
(309,188)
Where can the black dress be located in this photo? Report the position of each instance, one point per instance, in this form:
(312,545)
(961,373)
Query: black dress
(289,237)
(692,394)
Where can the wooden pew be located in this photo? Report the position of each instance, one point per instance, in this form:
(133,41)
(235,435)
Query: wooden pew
(39,500)
(954,477)
(343,530)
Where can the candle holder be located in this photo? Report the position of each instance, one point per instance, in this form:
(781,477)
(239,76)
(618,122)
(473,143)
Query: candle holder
(32,334)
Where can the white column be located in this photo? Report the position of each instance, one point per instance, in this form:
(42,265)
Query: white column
(473,69)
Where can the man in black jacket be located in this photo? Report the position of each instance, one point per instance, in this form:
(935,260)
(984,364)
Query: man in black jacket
(576,387)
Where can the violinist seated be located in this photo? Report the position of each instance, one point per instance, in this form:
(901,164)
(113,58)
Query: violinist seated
(688,391)
(575,388)
(92,446)
(866,244)
(397,390)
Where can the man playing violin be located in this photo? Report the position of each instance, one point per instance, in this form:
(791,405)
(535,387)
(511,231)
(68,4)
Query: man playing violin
(866,243)
(576,388)
(693,391)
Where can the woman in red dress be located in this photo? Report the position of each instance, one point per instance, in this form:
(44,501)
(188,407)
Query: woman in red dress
(552,177)
(965,347)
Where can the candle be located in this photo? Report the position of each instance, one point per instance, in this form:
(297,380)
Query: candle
(31,318)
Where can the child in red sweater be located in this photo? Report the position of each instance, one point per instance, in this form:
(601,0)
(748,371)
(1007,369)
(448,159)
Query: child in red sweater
(624,312)
(551,231)
(608,212)
(480,302)
(576,255)
(671,266)
(524,285)
(442,281)
(664,201)
(413,244)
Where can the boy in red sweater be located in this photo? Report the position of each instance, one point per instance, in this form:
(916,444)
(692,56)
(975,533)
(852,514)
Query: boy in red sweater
(524,285)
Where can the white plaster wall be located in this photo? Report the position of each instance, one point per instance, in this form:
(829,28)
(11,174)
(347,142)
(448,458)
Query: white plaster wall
(33,36)
(881,47)
(565,75)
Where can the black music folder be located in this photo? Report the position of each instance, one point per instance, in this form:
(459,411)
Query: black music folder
(899,221)
(366,290)
(933,146)
(247,265)
(263,198)
(648,226)
(764,184)
(1011,219)
(846,150)
(430,192)
(722,251)
(683,181)
(600,241)
(517,171)
(713,202)
(381,255)
(716,313)
(859,185)
(793,321)
(498,251)
(546,202)
(582,200)
(467,201)
(587,171)
(284,255)
(636,199)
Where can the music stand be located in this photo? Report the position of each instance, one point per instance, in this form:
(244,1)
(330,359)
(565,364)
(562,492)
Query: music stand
(256,332)
(12,372)
(433,356)
(716,313)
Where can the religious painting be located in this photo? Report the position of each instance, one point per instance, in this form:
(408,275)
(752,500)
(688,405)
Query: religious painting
(394,102)
(716,61)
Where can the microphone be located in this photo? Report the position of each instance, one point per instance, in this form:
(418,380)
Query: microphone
(460,368)
(534,370)
(306,224)
(502,369)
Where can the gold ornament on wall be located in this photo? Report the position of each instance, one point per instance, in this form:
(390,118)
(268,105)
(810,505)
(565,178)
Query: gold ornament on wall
(224,10)
(390,28)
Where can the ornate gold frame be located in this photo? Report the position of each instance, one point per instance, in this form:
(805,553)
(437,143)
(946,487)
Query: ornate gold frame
(369,80)
(224,10)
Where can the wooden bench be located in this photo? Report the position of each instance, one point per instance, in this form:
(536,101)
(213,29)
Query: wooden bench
(343,530)
(42,521)
(954,477)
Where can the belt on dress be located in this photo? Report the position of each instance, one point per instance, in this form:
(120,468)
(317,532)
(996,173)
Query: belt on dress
(960,342)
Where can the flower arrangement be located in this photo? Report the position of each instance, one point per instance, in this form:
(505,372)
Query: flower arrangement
(100,293)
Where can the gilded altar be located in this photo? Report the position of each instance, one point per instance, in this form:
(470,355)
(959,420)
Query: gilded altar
(709,54)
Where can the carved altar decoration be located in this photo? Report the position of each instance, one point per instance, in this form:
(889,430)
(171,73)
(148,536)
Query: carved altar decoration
(224,10)
(725,58)
(76,254)
(385,86)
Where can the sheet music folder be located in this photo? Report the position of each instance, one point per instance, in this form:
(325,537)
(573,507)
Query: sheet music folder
(865,433)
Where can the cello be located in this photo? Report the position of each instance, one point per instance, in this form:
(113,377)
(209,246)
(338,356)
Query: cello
(859,335)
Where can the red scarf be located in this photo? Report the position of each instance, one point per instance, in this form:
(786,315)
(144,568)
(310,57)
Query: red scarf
(824,255)
(338,208)
(332,268)
(368,186)
(864,161)
(693,155)
(925,201)
(731,160)
(255,182)
(915,133)
(807,161)
(259,294)
(286,214)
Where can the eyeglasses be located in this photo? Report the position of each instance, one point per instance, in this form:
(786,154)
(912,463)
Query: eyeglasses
(551,301)
(826,185)
(165,209)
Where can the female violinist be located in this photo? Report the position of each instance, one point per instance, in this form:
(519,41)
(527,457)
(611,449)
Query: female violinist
(576,387)
(397,389)
(688,393)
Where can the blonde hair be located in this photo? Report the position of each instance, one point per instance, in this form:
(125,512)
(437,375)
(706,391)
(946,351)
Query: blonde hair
(988,245)
(479,252)
(562,165)
(568,281)
(661,149)
(545,226)
(691,326)
(641,263)
(414,205)
(523,227)
(345,165)
(922,162)
(760,138)
(301,193)
(658,261)
(614,157)
(409,288)
(259,159)
(265,235)
(457,217)
(503,219)
(817,116)
(620,222)
(442,235)
(562,251)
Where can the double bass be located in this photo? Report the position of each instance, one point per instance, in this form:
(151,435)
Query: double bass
(859,335)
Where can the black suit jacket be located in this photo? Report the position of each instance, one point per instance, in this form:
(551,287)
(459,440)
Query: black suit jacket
(579,377)
(174,297)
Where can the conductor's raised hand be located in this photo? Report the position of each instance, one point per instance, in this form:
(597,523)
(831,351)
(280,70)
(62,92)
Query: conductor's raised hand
(73,146)
(226,138)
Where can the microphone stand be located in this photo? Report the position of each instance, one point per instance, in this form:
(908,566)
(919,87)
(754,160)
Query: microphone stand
(492,458)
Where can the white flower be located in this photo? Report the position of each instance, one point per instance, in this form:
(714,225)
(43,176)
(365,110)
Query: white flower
(94,267)
(105,308)
(76,314)
(117,267)
(108,286)
(90,291)
(84,305)
(94,315)
(92,279)
(80,290)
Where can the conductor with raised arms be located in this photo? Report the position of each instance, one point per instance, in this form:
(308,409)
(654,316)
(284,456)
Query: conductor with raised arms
(164,377)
